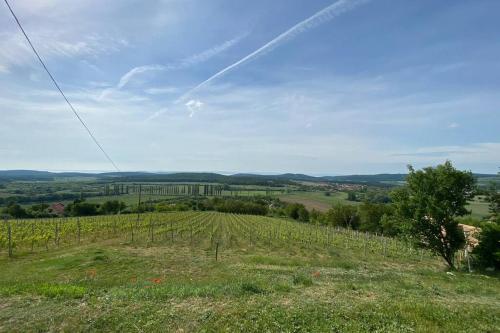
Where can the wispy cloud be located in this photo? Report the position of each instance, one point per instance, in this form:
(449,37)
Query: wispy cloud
(320,17)
(484,151)
(182,64)
(54,44)
(125,79)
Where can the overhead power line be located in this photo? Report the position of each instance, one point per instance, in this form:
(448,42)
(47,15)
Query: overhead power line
(60,90)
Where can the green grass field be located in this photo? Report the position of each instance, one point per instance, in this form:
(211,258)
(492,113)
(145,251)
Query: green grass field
(317,200)
(479,208)
(272,275)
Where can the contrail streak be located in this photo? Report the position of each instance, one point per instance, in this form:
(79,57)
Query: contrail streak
(320,17)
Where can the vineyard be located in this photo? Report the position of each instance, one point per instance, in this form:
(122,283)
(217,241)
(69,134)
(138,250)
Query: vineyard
(206,229)
(199,271)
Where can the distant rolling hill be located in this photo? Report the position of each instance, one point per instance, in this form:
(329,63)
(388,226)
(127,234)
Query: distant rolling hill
(208,177)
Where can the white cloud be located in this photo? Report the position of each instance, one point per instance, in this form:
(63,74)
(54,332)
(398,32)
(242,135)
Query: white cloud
(184,63)
(53,44)
(194,106)
(453,125)
(125,79)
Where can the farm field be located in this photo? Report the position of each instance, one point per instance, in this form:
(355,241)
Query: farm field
(317,200)
(479,208)
(160,273)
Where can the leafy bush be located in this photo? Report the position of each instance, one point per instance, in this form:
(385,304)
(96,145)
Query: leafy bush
(371,217)
(112,207)
(82,208)
(343,216)
(297,211)
(240,207)
(487,252)
(15,210)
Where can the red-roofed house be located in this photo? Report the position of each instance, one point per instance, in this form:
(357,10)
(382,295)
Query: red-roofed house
(57,208)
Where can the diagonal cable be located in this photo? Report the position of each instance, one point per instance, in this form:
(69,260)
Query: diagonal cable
(59,88)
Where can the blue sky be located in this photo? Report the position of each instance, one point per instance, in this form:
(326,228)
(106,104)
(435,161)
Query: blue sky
(317,87)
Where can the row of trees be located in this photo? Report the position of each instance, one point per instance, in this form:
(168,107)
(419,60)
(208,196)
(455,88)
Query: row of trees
(78,207)
(244,205)
(83,208)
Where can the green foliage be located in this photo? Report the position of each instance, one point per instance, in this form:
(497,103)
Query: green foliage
(351,196)
(15,210)
(112,207)
(377,195)
(487,252)
(343,216)
(297,212)
(82,208)
(317,217)
(370,216)
(393,225)
(59,291)
(39,211)
(431,201)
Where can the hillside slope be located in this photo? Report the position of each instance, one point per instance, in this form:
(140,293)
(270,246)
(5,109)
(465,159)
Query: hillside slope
(271,275)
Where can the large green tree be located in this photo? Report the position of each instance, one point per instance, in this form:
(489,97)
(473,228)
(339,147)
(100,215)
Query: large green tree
(431,201)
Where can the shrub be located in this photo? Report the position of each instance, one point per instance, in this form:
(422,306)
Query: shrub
(344,216)
(297,211)
(371,216)
(487,252)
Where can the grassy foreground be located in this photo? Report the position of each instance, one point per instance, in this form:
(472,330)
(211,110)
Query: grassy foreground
(258,286)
